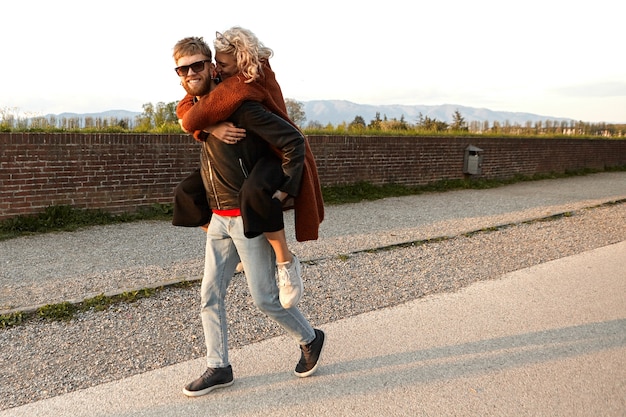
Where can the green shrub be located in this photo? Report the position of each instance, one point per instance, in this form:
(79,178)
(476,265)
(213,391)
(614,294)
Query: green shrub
(61,311)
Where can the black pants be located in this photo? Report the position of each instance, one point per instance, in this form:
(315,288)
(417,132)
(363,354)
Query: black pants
(191,208)
(260,212)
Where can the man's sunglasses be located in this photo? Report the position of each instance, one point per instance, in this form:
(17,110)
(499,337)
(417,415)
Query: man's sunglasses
(197,67)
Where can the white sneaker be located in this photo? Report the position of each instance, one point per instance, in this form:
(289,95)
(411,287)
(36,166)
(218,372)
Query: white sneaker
(290,285)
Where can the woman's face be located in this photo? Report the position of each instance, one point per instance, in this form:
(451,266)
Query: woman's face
(225,65)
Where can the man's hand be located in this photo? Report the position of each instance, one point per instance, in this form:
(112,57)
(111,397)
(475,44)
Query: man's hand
(226,132)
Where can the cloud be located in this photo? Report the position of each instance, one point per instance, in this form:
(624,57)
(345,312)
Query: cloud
(599,89)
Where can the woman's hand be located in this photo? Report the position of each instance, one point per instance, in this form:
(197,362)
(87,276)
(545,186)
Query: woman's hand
(280,195)
(180,122)
(226,132)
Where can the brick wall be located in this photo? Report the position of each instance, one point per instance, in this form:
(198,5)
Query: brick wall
(118,172)
(121,172)
(422,160)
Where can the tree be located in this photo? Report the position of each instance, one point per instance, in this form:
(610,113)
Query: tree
(161,115)
(144,120)
(295,110)
(160,118)
(124,124)
(8,117)
(315,125)
(357,124)
(394,124)
(458,122)
(431,125)
(170,109)
(375,124)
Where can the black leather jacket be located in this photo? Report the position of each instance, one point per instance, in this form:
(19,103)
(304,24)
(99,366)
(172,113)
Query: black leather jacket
(225,167)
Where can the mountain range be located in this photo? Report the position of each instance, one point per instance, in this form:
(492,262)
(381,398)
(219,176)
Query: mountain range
(338,111)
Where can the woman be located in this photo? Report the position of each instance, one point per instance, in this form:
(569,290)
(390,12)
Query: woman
(242,63)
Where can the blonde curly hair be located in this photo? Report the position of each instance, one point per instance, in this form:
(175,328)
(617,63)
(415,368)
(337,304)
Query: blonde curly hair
(248,51)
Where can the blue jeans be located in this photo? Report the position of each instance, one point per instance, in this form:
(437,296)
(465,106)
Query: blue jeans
(225,246)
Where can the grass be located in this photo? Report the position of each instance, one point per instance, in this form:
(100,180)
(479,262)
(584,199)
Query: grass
(66,218)
(66,311)
(362,191)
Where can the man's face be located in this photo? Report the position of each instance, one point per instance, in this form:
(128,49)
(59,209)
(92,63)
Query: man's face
(225,65)
(195,83)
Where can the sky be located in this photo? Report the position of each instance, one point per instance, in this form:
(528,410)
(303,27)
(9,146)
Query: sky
(548,57)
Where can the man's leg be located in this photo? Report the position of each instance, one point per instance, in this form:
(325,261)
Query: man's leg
(219,265)
(259,265)
(220,261)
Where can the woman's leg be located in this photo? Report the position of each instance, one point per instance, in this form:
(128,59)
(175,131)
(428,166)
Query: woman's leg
(278,240)
(260,211)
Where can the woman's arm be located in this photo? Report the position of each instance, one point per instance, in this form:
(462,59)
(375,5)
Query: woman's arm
(227,132)
(224,131)
(221,103)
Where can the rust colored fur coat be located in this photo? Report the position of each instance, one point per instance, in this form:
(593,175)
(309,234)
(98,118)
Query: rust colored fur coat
(223,101)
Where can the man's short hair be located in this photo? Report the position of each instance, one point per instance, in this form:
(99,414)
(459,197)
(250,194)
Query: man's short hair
(192,45)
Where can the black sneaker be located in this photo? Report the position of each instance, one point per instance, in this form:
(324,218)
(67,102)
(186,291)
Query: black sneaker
(211,379)
(310,356)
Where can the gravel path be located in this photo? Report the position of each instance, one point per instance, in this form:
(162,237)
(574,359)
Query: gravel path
(41,359)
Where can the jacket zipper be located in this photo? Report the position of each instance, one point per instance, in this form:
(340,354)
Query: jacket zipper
(243,168)
(211,180)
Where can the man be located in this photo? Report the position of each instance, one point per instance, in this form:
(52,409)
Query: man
(224,168)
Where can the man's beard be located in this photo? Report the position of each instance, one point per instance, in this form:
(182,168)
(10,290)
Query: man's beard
(198,90)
